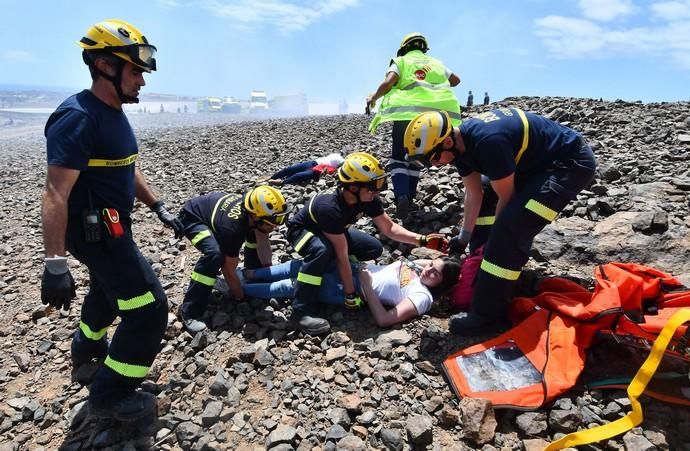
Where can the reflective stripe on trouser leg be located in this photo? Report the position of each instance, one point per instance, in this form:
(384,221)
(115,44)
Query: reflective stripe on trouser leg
(486,219)
(129,287)
(200,236)
(398,166)
(203,278)
(318,254)
(94,335)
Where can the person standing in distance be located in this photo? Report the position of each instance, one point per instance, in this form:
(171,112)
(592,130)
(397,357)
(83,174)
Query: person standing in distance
(415,82)
(88,198)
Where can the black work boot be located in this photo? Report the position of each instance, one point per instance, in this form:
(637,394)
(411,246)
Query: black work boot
(132,407)
(472,324)
(310,324)
(87,357)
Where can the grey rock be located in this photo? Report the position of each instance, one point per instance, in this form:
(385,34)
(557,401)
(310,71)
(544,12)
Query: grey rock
(392,439)
(283,434)
(211,413)
(420,429)
(532,423)
(350,443)
(478,420)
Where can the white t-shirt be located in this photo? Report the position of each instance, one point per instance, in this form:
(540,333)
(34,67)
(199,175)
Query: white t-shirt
(334,160)
(397,281)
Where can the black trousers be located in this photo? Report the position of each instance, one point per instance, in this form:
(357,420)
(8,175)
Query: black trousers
(319,255)
(122,284)
(536,203)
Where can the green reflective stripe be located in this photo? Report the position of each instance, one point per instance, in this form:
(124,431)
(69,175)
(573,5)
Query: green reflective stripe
(249,245)
(136,302)
(202,279)
(418,109)
(90,334)
(94,162)
(497,271)
(200,236)
(425,85)
(304,240)
(307,278)
(542,210)
(525,135)
(485,220)
(215,209)
(126,369)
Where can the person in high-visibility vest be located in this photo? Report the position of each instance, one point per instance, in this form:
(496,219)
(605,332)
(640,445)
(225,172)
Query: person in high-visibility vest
(535,167)
(415,82)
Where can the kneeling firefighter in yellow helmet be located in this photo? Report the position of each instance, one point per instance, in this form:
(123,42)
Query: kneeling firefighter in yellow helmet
(219,225)
(321,233)
(91,184)
(415,82)
(535,167)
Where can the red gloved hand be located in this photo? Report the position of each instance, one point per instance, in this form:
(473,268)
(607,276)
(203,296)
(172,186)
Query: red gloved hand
(434,241)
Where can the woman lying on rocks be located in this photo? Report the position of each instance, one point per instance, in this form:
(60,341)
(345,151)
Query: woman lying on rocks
(394,293)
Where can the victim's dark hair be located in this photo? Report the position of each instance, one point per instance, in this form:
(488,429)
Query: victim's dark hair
(449,276)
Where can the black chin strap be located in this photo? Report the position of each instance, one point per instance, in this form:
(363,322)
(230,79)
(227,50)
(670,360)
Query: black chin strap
(117,82)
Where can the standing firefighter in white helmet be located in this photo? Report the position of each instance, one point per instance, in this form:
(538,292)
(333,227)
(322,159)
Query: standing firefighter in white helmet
(321,233)
(219,225)
(89,194)
(415,82)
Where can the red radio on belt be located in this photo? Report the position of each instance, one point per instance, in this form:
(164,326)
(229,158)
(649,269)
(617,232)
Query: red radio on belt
(111,218)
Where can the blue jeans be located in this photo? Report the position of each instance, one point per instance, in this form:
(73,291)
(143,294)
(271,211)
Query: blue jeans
(278,281)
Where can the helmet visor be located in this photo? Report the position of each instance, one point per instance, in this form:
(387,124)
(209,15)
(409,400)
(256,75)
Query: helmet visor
(377,185)
(277,219)
(143,55)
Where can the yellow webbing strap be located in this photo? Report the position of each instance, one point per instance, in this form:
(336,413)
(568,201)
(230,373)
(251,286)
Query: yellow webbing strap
(635,389)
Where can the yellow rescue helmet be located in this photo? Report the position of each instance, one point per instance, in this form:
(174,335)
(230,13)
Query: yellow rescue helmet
(363,169)
(267,203)
(425,133)
(409,38)
(121,39)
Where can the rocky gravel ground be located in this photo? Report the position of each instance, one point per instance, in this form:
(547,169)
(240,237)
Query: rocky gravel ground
(252,383)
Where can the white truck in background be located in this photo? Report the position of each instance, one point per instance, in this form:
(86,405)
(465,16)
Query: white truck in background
(209,105)
(258,102)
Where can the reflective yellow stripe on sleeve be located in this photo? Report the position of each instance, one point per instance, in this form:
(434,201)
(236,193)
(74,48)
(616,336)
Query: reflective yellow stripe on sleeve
(136,302)
(485,220)
(498,271)
(200,236)
(541,209)
(90,334)
(202,279)
(249,245)
(126,369)
(309,279)
(525,135)
(304,240)
(113,163)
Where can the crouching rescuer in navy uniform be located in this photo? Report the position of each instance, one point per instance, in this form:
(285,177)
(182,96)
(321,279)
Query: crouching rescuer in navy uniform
(535,167)
(87,201)
(321,233)
(219,225)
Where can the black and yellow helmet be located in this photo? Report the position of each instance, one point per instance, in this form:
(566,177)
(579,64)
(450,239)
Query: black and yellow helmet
(424,135)
(122,40)
(268,204)
(363,169)
(413,40)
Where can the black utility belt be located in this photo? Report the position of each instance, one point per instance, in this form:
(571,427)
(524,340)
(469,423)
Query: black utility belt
(94,221)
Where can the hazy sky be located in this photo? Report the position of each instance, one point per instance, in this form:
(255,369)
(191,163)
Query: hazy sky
(340,49)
